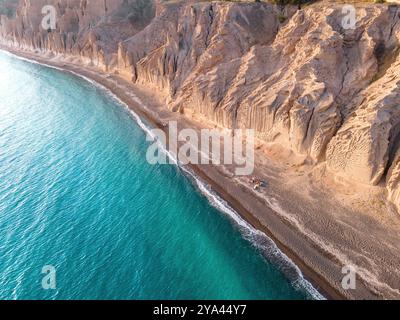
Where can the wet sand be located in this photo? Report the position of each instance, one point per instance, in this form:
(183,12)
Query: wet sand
(321,223)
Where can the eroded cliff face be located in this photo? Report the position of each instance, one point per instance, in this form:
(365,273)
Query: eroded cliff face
(325,92)
(89,29)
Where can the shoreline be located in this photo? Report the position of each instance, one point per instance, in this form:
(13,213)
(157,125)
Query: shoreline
(248,206)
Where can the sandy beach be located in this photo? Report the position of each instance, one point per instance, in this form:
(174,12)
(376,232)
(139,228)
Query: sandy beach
(321,222)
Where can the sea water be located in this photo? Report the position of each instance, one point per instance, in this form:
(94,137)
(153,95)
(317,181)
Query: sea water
(77,195)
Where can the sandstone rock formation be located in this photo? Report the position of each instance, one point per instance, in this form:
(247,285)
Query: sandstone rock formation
(90,29)
(296,76)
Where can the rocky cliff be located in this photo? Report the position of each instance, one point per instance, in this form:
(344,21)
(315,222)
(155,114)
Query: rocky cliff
(89,29)
(296,76)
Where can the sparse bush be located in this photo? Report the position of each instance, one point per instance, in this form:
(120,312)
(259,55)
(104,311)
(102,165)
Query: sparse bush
(8,7)
(282,18)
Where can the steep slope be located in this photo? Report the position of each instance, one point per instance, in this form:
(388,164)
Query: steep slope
(89,29)
(238,67)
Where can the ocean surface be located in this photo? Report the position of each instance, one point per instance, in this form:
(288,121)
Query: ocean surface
(76,193)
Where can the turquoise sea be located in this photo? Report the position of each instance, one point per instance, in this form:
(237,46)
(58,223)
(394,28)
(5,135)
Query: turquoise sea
(76,193)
